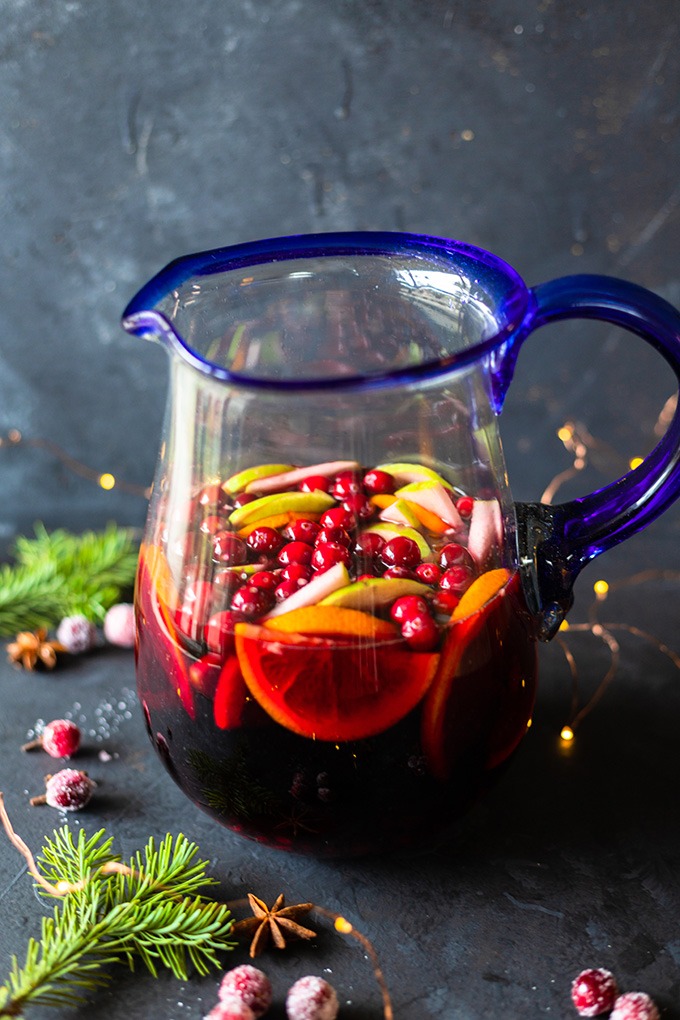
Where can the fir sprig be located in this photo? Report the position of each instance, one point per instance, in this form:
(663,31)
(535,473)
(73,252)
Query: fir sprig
(150,909)
(58,574)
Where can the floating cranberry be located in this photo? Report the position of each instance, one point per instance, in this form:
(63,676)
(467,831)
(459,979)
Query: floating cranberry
(252,602)
(345,484)
(302,531)
(337,516)
(212,524)
(399,572)
(634,1006)
(366,577)
(286,588)
(378,483)
(428,573)
(250,985)
(336,534)
(299,572)
(243,498)
(313,483)
(420,632)
(407,606)
(213,497)
(464,506)
(264,541)
(456,580)
(229,549)
(444,602)
(294,552)
(327,554)
(266,579)
(453,555)
(400,552)
(225,583)
(359,505)
(219,632)
(368,545)
(194,609)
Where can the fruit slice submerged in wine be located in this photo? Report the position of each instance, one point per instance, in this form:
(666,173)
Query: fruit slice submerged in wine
(327,690)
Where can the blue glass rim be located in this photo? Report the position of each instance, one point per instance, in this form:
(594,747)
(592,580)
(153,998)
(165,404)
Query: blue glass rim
(141,317)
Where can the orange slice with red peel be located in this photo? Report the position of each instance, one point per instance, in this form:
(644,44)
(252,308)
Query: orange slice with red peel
(332,690)
(326,621)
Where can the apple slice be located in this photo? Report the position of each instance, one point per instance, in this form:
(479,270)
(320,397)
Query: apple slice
(388,531)
(320,586)
(399,512)
(294,475)
(278,503)
(486,530)
(405,473)
(374,593)
(433,497)
(239,481)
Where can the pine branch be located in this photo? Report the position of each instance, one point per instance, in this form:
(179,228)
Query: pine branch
(149,910)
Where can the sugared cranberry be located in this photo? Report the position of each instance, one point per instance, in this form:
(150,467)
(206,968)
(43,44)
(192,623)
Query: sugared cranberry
(456,580)
(359,505)
(312,998)
(312,483)
(378,483)
(231,1008)
(420,632)
(69,790)
(77,634)
(407,606)
(264,541)
(634,1006)
(328,554)
(266,579)
(428,573)
(338,517)
(345,484)
(243,498)
(60,739)
(399,572)
(298,572)
(336,534)
(464,506)
(229,549)
(294,552)
(444,602)
(453,555)
(400,552)
(250,985)
(252,602)
(302,531)
(594,991)
(219,631)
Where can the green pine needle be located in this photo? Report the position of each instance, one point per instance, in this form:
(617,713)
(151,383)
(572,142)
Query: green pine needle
(59,574)
(154,914)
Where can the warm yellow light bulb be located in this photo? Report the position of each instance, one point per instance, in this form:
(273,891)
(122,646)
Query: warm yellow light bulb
(107,480)
(567,733)
(565,433)
(564,625)
(342,925)
(635,462)
(601,588)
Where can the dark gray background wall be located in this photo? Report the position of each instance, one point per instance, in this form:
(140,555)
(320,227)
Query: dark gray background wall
(131,133)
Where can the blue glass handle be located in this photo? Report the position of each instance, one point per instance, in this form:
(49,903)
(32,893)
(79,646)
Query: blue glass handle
(556,542)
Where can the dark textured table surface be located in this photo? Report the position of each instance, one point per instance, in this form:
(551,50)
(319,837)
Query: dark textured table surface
(545,132)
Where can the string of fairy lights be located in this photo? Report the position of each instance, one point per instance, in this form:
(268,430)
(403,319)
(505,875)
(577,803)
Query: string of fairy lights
(581,446)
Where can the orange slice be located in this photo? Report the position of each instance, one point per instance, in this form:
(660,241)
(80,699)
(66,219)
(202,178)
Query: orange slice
(278,521)
(482,589)
(333,620)
(324,690)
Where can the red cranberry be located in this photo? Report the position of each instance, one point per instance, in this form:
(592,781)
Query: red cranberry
(338,517)
(345,484)
(212,524)
(194,610)
(203,673)
(243,498)
(464,506)
(226,582)
(399,572)
(250,985)
(229,548)
(400,552)
(286,588)
(264,541)
(267,579)
(327,554)
(420,632)
(456,580)
(408,606)
(359,505)
(299,572)
(444,602)
(314,482)
(337,534)
(428,573)
(60,738)
(212,496)
(594,991)
(378,483)
(294,552)
(219,632)
(252,602)
(366,577)
(452,555)
(312,998)
(302,531)
(368,544)
(634,1006)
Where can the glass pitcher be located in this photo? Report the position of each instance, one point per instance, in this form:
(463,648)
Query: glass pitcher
(338,602)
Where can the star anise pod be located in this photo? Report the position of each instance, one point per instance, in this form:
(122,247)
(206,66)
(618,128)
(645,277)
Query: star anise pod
(277,922)
(32,647)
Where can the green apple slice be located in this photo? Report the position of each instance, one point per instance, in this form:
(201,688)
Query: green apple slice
(432,496)
(374,593)
(405,473)
(399,512)
(289,478)
(278,503)
(315,591)
(389,531)
(239,481)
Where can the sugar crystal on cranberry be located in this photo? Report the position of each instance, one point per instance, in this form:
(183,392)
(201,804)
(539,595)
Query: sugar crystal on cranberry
(231,1008)
(250,985)
(593,991)
(69,790)
(312,998)
(634,1006)
(61,738)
